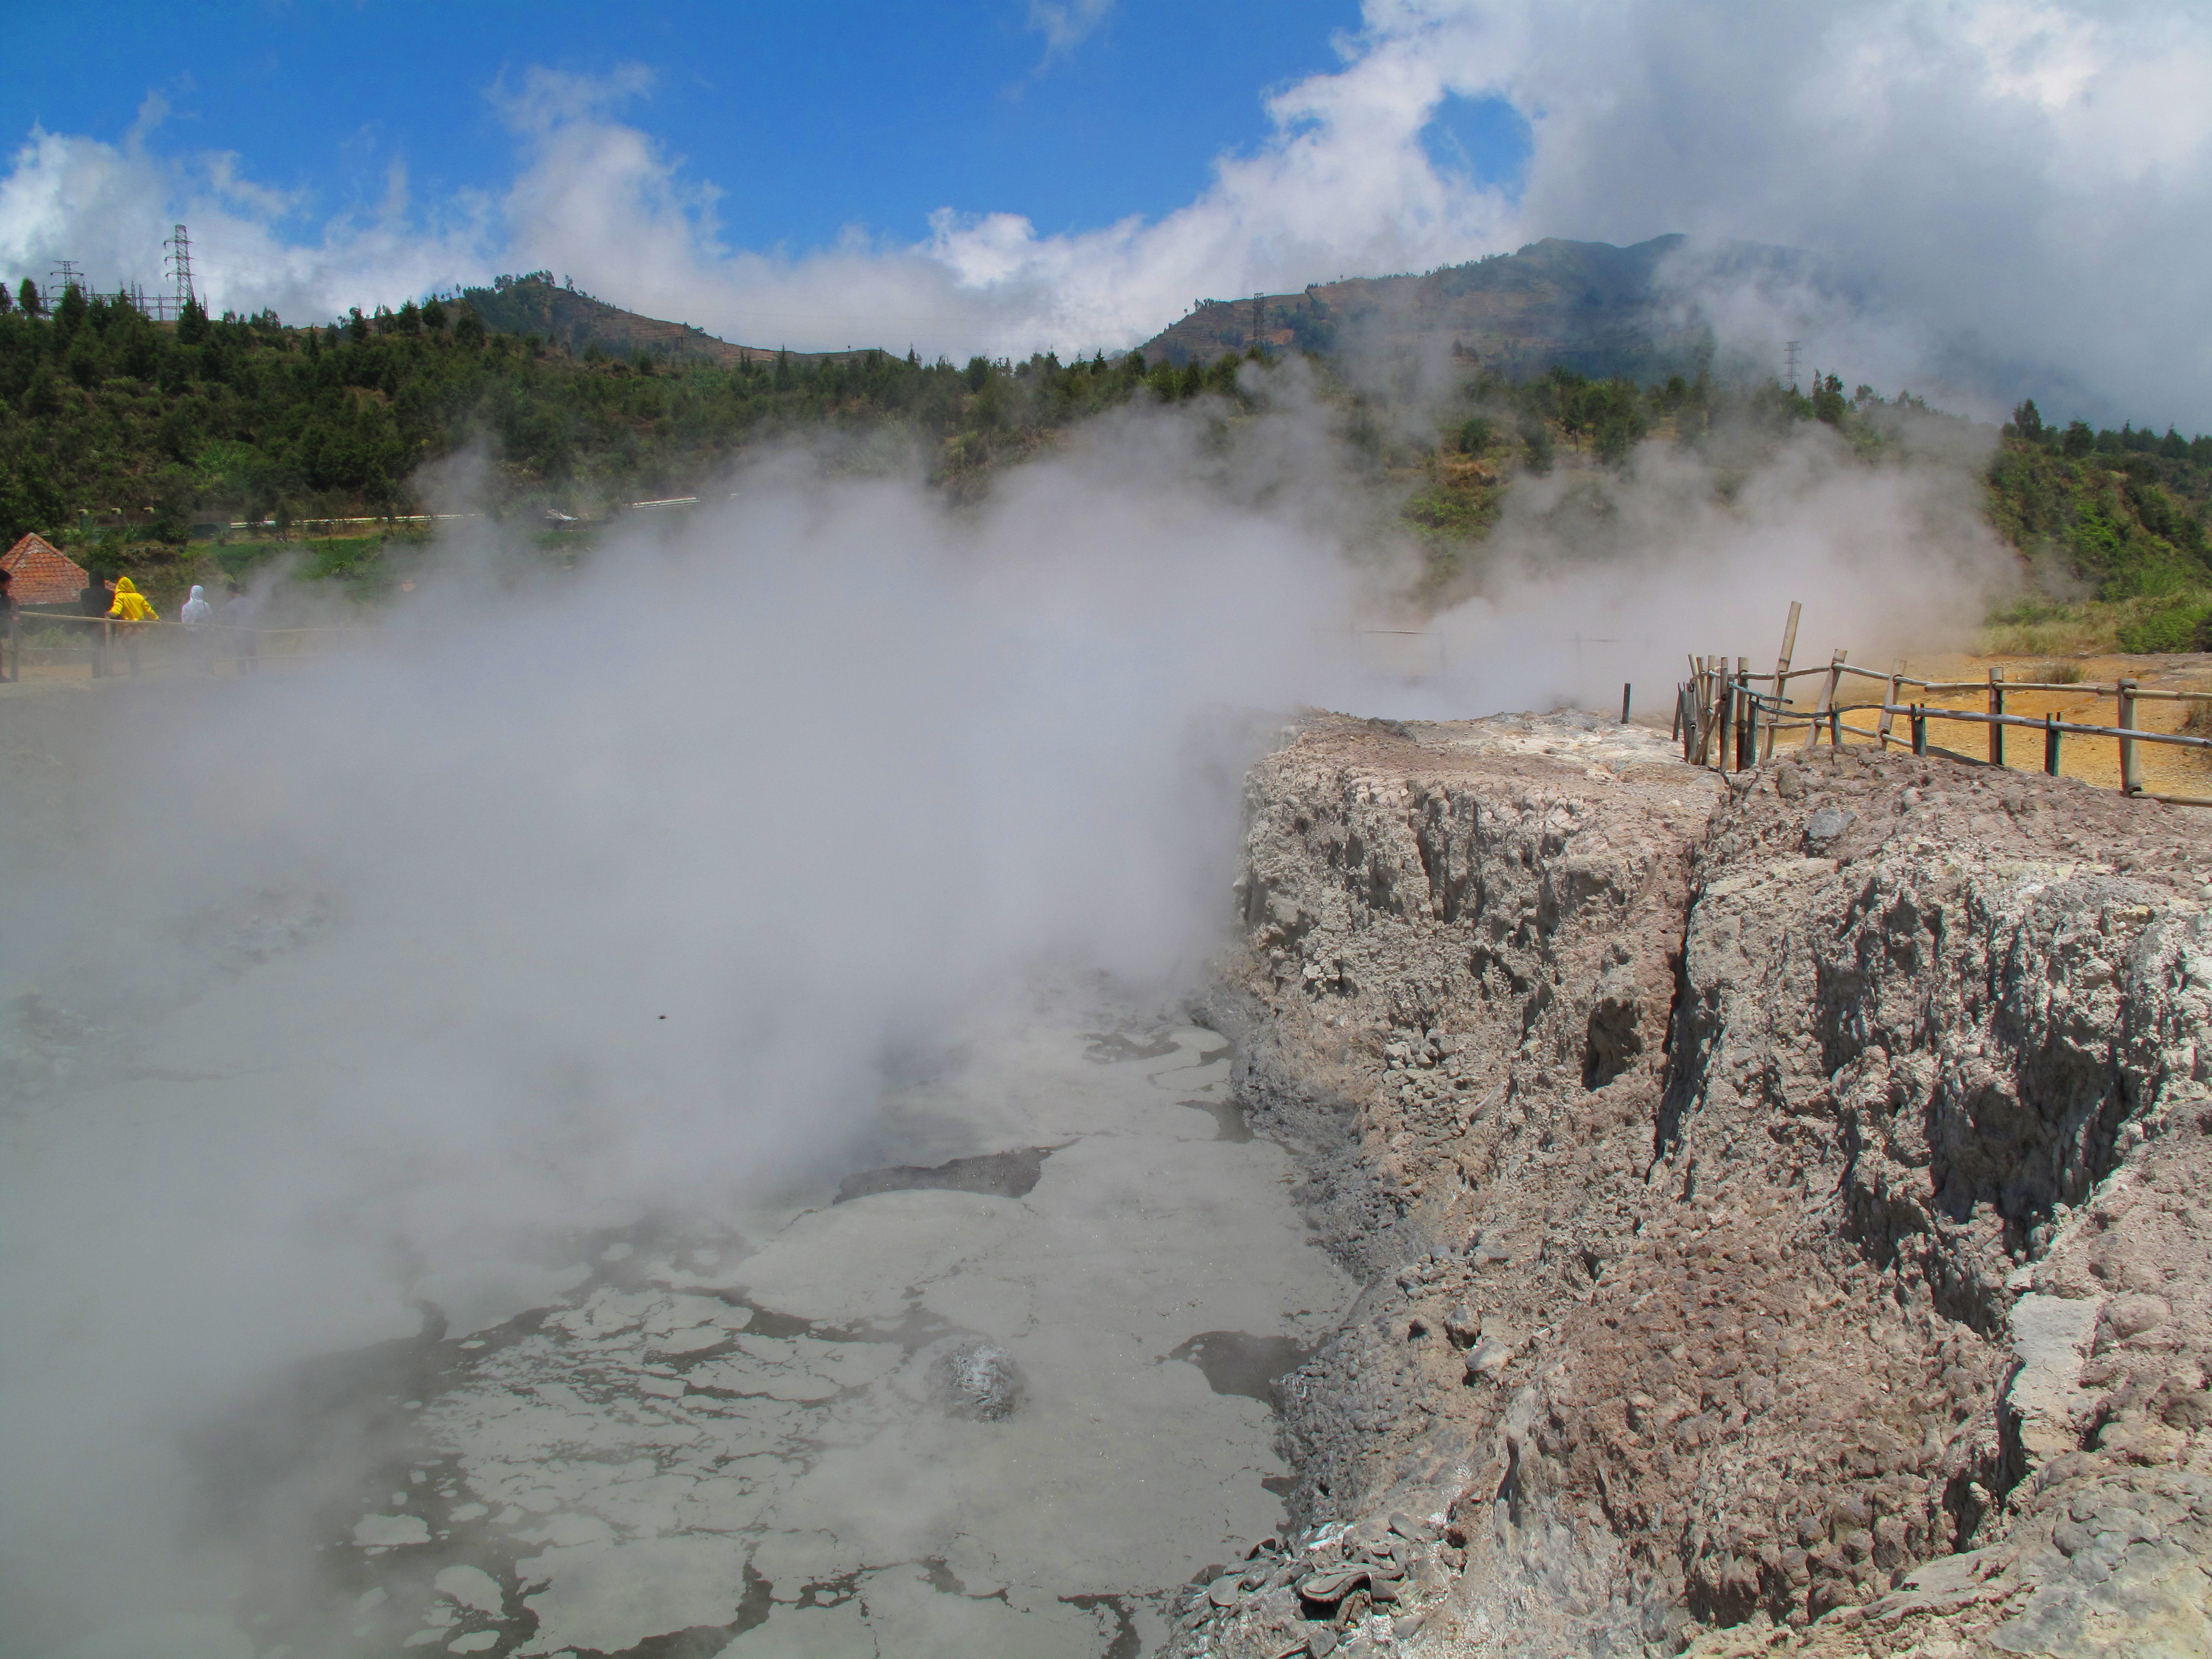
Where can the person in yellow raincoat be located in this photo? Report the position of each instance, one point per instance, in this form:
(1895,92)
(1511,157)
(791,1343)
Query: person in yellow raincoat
(130,608)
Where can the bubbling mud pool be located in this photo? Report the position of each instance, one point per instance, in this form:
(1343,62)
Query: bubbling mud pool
(999,1393)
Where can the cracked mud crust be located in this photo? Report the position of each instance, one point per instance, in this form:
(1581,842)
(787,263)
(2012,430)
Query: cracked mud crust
(1783,1202)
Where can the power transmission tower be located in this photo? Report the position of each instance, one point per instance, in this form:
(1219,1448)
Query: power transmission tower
(69,276)
(1259,316)
(1790,347)
(180,261)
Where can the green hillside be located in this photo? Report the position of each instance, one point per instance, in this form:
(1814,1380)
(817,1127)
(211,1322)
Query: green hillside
(135,436)
(2114,525)
(139,444)
(535,306)
(1590,306)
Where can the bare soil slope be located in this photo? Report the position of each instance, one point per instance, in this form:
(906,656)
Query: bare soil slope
(1780,1200)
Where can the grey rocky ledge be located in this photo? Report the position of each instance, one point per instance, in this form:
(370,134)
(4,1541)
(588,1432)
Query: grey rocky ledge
(1782,1200)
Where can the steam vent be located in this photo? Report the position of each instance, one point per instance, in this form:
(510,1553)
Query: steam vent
(1594,1205)
(1780,1201)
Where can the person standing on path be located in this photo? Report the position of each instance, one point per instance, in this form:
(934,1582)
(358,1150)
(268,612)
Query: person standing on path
(13,666)
(196,616)
(131,609)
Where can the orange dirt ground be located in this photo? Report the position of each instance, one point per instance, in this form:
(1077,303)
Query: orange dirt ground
(2166,768)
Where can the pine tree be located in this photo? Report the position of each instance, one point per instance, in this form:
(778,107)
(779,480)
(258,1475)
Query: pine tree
(27,297)
(70,310)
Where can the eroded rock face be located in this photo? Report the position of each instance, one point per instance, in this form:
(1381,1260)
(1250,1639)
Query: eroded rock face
(1771,1192)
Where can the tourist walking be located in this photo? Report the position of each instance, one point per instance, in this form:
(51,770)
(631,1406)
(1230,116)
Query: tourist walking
(196,616)
(132,609)
(13,668)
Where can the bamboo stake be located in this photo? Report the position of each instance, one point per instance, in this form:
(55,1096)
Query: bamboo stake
(2130,765)
(1828,697)
(1889,705)
(1781,670)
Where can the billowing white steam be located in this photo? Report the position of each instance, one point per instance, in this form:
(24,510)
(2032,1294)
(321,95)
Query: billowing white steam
(589,893)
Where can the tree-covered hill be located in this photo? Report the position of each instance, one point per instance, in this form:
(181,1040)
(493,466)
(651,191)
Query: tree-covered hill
(1590,306)
(563,315)
(122,437)
(2119,518)
(109,419)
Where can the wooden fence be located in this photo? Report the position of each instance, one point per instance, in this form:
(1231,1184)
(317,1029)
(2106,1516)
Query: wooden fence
(1732,718)
(47,639)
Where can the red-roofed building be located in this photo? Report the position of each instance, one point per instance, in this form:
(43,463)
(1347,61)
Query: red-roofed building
(42,573)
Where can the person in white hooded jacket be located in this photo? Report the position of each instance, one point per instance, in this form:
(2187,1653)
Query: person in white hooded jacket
(196,616)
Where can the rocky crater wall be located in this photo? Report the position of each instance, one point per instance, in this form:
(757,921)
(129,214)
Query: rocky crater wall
(1781,1202)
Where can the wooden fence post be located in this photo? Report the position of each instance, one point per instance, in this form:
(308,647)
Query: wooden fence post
(1693,714)
(1724,706)
(2051,744)
(1828,702)
(1781,673)
(1745,717)
(1720,702)
(1889,705)
(2130,759)
(1919,729)
(1624,705)
(1996,707)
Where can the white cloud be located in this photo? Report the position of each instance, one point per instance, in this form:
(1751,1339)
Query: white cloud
(2012,189)
(1066,24)
(109,207)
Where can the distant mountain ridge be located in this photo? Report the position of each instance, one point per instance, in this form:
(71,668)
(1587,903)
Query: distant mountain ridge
(1592,306)
(535,304)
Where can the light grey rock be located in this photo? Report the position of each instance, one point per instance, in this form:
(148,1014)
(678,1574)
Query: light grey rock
(2046,1406)
(977,1380)
(1826,822)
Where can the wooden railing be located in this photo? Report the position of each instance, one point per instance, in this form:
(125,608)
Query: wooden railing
(28,638)
(1729,718)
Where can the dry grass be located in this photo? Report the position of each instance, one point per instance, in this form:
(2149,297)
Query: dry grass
(2052,628)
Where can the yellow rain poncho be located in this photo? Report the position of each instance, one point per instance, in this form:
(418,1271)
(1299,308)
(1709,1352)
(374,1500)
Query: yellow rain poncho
(131,604)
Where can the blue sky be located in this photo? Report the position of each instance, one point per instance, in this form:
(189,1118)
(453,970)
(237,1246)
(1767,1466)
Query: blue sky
(811,117)
(2011,192)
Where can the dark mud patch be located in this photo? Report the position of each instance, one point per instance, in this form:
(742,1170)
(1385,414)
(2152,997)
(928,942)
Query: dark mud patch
(1235,1362)
(1006,1175)
(1114,1047)
(1228,1117)
(1126,1644)
(701,1641)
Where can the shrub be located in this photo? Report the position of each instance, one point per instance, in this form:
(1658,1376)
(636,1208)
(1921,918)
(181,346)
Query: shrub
(2175,627)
